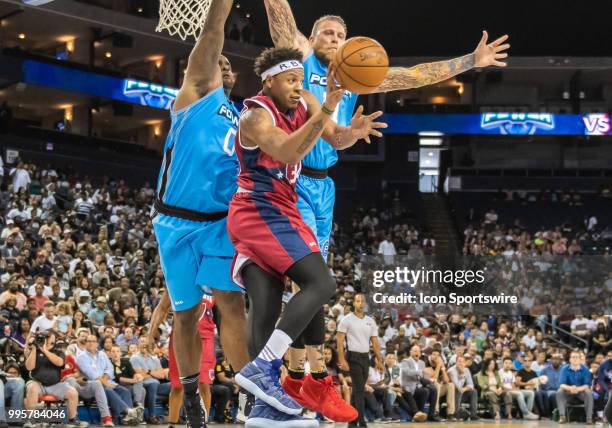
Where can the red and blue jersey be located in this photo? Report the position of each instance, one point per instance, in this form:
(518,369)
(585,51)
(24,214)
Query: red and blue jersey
(264,222)
(260,173)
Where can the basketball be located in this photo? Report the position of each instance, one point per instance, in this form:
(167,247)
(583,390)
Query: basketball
(362,64)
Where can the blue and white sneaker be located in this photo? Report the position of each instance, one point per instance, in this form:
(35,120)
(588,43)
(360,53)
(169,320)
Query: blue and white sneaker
(261,378)
(266,416)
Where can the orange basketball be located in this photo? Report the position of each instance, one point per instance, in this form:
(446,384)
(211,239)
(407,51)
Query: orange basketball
(361,64)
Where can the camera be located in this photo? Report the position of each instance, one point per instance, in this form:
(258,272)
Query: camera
(40,338)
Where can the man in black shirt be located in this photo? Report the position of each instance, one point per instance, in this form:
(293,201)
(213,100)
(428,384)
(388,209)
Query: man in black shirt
(45,365)
(127,376)
(527,378)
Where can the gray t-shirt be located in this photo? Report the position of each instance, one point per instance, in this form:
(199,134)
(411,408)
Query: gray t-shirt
(358,332)
(149,362)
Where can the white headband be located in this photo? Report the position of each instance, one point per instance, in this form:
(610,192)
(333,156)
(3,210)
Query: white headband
(280,68)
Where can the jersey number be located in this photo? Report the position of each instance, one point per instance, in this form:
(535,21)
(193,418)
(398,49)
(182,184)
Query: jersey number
(229,143)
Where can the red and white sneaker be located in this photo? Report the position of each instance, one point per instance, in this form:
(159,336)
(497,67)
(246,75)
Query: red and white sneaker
(107,421)
(292,387)
(327,400)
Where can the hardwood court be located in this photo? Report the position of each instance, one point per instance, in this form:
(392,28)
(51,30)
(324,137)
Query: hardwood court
(480,424)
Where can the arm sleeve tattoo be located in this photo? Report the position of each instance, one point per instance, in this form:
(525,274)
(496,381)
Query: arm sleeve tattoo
(400,78)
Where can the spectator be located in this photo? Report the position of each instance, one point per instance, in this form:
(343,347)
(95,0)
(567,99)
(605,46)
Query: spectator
(223,389)
(418,388)
(526,378)
(45,365)
(41,267)
(492,389)
(575,383)
(87,389)
(461,378)
(127,376)
(21,178)
(126,339)
(97,314)
(546,397)
(47,321)
(524,398)
(387,249)
(95,365)
(149,367)
(13,292)
(443,384)
(11,389)
(39,281)
(123,294)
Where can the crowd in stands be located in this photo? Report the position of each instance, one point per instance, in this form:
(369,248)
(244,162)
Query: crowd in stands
(80,275)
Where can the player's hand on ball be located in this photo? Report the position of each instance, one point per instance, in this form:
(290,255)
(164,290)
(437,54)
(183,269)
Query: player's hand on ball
(334,92)
(487,54)
(365,126)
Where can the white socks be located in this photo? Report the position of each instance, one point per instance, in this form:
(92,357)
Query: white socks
(276,346)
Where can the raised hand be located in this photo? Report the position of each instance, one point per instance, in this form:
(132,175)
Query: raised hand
(488,54)
(364,126)
(334,92)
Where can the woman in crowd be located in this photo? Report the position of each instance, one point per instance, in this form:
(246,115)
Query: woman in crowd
(491,388)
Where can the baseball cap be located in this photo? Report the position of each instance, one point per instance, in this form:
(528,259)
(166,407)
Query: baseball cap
(84,293)
(101,299)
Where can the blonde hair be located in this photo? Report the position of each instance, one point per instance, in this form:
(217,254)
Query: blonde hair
(65,306)
(324,18)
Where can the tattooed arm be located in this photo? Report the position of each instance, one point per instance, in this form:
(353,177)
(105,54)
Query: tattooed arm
(486,54)
(283,28)
(400,78)
(258,130)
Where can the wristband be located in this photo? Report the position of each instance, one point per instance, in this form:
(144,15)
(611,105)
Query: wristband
(327,111)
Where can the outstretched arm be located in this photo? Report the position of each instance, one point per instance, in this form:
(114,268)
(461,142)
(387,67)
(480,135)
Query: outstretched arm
(283,28)
(343,137)
(203,72)
(485,55)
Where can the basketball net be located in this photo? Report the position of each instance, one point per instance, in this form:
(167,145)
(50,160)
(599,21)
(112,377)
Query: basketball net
(183,17)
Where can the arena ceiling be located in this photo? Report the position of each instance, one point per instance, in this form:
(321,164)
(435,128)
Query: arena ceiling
(452,27)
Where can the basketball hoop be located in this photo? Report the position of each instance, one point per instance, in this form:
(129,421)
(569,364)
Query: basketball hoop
(182,17)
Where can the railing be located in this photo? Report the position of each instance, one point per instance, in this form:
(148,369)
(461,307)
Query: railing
(556,328)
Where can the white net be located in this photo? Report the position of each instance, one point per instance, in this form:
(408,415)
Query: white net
(182,17)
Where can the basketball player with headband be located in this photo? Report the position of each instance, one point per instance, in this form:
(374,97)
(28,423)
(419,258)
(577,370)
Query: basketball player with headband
(315,189)
(278,127)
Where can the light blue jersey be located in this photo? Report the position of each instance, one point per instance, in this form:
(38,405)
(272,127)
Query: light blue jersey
(323,155)
(316,196)
(198,174)
(194,177)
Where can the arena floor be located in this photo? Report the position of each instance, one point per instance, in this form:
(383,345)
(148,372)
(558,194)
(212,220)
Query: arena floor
(479,424)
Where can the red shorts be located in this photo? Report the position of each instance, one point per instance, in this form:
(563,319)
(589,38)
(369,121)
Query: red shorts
(207,361)
(173,371)
(272,235)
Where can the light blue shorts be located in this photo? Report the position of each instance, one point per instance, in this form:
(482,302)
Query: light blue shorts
(316,197)
(195,256)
